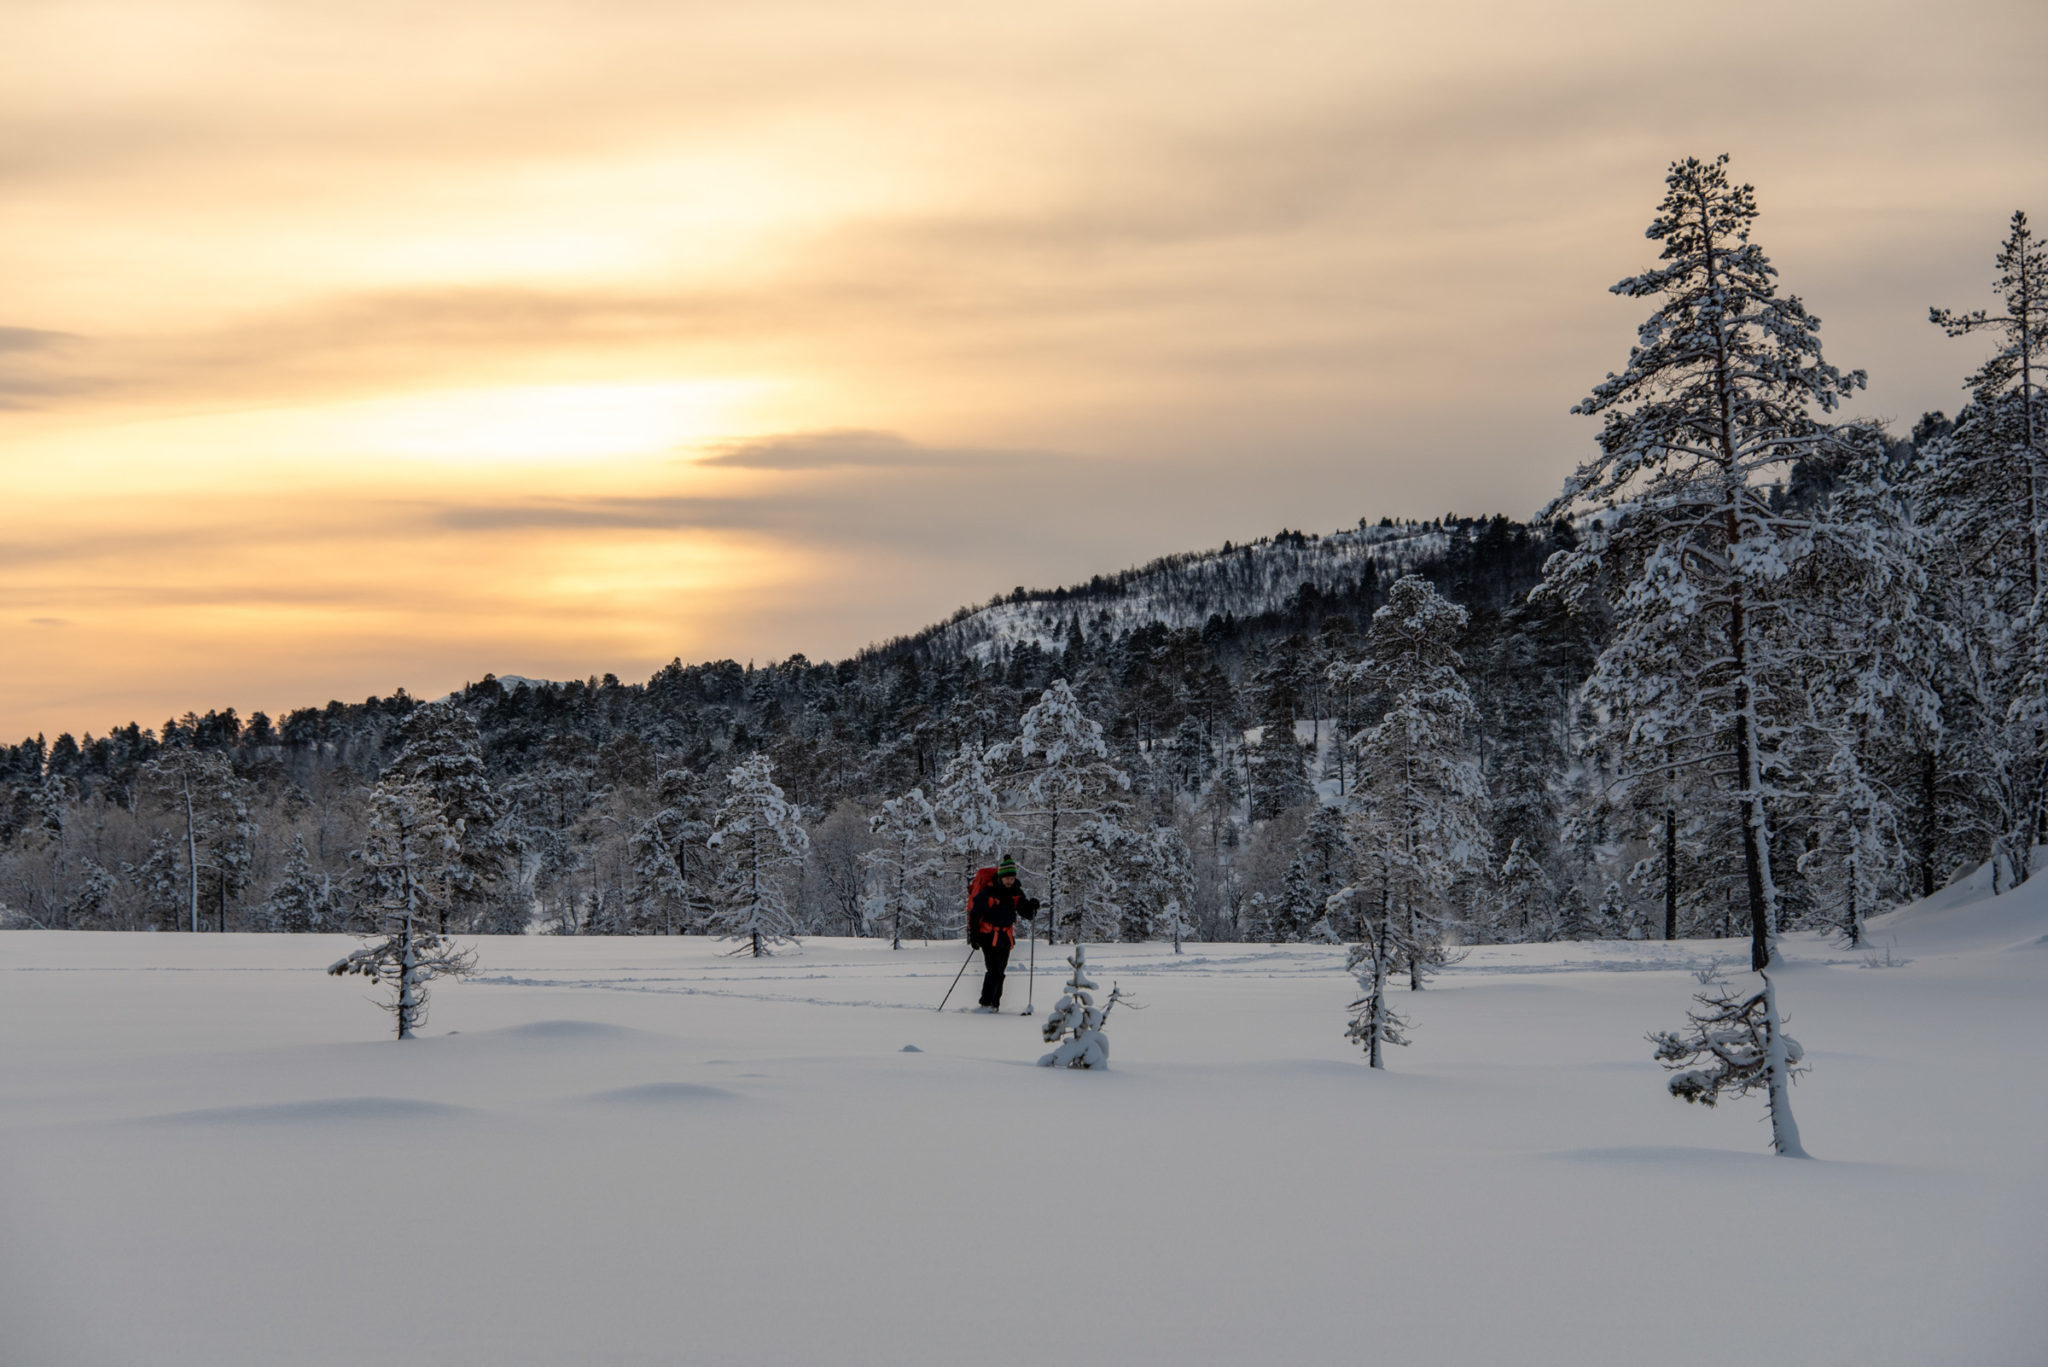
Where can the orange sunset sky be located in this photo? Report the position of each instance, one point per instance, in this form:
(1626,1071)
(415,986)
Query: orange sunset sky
(345,347)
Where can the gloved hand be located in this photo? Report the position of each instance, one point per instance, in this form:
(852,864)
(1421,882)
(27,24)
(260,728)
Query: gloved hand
(1030,907)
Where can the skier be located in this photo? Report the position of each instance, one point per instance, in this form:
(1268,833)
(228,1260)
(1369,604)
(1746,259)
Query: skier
(992,917)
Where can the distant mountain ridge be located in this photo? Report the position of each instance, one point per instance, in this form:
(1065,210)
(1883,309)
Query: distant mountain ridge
(1187,589)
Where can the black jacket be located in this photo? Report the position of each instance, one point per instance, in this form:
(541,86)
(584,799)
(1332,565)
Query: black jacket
(999,907)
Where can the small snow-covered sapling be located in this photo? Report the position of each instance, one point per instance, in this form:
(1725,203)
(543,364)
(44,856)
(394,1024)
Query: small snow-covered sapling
(1741,1040)
(1373,1022)
(406,837)
(1076,1023)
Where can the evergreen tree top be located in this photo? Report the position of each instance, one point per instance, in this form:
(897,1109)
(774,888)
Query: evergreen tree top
(1723,373)
(2022,286)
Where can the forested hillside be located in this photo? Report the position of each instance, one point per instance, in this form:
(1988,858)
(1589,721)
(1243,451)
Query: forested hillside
(569,777)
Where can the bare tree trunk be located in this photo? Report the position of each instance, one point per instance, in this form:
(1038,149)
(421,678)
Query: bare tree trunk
(191,843)
(1379,994)
(1052,881)
(408,1002)
(1784,1129)
(1670,874)
(1755,836)
(1929,821)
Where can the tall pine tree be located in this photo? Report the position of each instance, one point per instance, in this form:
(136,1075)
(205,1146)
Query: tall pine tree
(1718,397)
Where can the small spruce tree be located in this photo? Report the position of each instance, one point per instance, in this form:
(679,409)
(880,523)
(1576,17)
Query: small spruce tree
(1076,1023)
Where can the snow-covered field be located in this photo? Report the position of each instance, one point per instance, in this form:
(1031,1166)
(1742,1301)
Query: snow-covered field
(643,1151)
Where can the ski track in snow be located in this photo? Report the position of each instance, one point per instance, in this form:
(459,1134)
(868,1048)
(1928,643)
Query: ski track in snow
(1272,964)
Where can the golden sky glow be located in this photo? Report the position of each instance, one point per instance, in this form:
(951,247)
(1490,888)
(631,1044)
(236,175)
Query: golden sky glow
(351,346)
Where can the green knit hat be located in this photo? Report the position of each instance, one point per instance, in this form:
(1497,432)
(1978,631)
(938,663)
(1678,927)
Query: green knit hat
(1006,867)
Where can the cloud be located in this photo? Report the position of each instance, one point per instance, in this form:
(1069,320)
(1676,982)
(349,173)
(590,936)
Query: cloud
(882,497)
(850,448)
(659,512)
(31,339)
(27,366)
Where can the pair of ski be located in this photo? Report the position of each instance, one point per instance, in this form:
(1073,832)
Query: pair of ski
(1030,988)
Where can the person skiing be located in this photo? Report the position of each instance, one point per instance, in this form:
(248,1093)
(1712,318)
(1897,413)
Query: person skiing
(992,919)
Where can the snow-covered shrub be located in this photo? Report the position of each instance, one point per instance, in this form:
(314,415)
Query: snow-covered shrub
(1741,1040)
(1076,1023)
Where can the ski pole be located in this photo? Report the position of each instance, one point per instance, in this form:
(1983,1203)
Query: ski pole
(957,977)
(1031,983)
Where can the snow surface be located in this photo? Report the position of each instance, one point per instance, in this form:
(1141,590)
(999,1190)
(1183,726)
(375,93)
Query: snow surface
(642,1151)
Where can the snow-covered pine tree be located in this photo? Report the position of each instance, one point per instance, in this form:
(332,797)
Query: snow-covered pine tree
(234,854)
(2006,426)
(906,868)
(200,790)
(1741,1038)
(1419,803)
(401,855)
(1873,648)
(1177,923)
(1982,492)
(1255,920)
(444,751)
(759,837)
(970,814)
(1278,764)
(1323,853)
(1107,867)
(1068,787)
(92,895)
(1297,908)
(1075,1022)
(1138,880)
(1716,398)
(1168,884)
(1189,757)
(1613,916)
(1526,709)
(668,853)
(1858,841)
(1575,919)
(161,880)
(554,799)
(1525,893)
(304,900)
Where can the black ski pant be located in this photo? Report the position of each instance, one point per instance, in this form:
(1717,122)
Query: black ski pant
(997,958)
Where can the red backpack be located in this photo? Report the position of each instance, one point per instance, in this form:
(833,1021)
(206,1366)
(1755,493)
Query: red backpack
(984,879)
